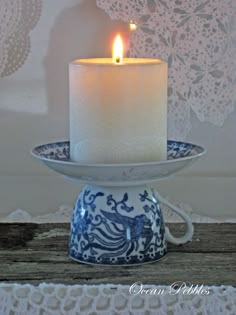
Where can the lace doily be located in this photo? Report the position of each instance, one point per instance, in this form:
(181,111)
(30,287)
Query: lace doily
(17,19)
(198,39)
(51,299)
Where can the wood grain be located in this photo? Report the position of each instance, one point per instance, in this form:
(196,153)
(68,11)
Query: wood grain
(35,253)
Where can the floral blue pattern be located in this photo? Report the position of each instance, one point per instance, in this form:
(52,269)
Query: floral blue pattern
(61,150)
(117,219)
(114,235)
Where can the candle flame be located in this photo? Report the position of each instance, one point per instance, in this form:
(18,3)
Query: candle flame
(117,53)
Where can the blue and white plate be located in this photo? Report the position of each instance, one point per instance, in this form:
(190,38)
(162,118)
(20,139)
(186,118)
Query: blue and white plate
(57,157)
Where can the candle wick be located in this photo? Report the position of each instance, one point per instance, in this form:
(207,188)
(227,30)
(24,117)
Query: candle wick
(117,59)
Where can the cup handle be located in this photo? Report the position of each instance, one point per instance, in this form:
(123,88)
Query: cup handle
(190,229)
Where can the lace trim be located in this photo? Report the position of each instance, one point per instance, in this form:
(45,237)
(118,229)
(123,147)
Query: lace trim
(49,299)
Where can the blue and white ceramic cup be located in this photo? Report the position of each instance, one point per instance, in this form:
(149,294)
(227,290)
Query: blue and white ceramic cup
(121,226)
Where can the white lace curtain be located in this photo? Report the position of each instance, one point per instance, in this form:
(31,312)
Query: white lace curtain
(198,39)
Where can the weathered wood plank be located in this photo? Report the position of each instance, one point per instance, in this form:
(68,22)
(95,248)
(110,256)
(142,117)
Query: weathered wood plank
(34,236)
(207,237)
(15,256)
(35,253)
(196,268)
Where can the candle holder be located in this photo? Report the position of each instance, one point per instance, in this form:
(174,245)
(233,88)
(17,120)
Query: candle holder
(117,218)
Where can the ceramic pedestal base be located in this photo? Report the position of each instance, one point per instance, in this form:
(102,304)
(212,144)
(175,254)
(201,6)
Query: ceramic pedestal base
(118,226)
(117,219)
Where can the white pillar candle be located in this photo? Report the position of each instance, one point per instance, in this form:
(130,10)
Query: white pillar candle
(118,111)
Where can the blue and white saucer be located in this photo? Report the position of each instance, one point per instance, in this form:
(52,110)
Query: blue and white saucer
(57,157)
(117,218)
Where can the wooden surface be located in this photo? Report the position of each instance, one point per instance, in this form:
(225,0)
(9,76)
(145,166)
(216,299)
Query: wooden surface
(35,253)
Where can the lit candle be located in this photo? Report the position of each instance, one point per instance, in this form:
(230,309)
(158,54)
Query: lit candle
(117,53)
(118,109)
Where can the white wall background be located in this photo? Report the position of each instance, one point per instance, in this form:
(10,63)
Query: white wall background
(34,109)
